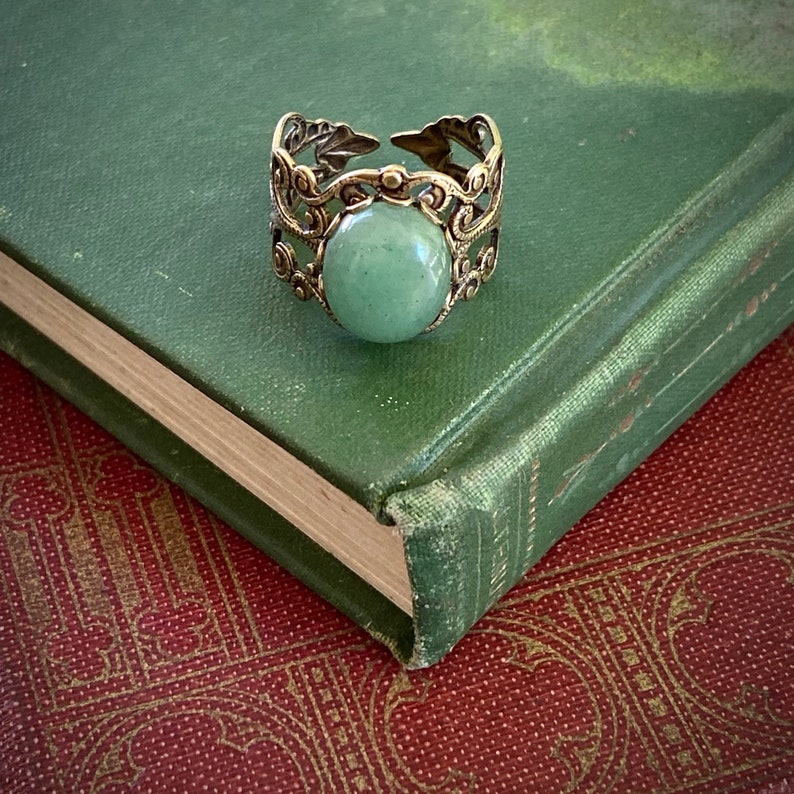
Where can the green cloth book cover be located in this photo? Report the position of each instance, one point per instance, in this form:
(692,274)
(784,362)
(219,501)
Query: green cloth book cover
(645,255)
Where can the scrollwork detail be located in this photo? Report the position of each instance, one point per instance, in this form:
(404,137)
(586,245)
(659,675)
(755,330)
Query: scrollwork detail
(468,288)
(486,258)
(285,262)
(304,283)
(316,222)
(476,180)
(353,194)
(434,196)
(302,286)
(304,182)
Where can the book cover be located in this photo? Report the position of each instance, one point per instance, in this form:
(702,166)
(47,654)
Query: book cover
(646,254)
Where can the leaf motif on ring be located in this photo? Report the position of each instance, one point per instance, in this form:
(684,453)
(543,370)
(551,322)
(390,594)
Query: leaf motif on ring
(432,143)
(333,151)
(334,144)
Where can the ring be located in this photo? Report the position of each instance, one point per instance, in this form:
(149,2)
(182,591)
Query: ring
(387,252)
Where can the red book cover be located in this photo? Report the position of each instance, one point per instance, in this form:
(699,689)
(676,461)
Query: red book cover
(145,646)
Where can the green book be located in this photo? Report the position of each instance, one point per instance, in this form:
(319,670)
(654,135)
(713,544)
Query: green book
(646,254)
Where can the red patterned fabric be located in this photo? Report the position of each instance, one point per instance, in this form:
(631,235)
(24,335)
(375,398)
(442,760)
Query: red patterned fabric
(145,646)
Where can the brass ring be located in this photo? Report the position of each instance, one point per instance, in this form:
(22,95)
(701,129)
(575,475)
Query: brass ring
(391,250)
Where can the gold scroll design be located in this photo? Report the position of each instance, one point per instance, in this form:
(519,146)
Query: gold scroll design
(231,720)
(749,717)
(465,203)
(593,757)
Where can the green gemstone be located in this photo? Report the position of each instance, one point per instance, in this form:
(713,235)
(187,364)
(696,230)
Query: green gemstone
(386,272)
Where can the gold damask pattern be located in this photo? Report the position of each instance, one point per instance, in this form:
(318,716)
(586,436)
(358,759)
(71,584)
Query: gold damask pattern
(147,647)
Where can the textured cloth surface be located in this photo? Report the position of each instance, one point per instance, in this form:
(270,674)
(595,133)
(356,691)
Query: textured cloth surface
(145,646)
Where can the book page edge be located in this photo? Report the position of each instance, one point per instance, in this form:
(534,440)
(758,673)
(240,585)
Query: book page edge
(331,518)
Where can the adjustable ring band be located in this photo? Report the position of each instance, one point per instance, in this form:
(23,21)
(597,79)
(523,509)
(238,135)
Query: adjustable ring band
(391,251)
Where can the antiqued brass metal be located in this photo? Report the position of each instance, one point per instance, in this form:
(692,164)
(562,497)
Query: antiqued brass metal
(308,201)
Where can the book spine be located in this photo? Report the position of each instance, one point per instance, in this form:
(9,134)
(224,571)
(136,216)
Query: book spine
(472,531)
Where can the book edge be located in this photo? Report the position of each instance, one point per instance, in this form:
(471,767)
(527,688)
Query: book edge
(326,514)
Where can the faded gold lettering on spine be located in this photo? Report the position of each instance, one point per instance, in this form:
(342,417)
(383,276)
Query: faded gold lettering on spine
(499,562)
(533,506)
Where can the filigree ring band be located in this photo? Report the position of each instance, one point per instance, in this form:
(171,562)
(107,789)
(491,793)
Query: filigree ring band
(387,252)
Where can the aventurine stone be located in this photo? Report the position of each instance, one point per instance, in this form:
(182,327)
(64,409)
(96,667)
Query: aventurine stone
(386,272)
